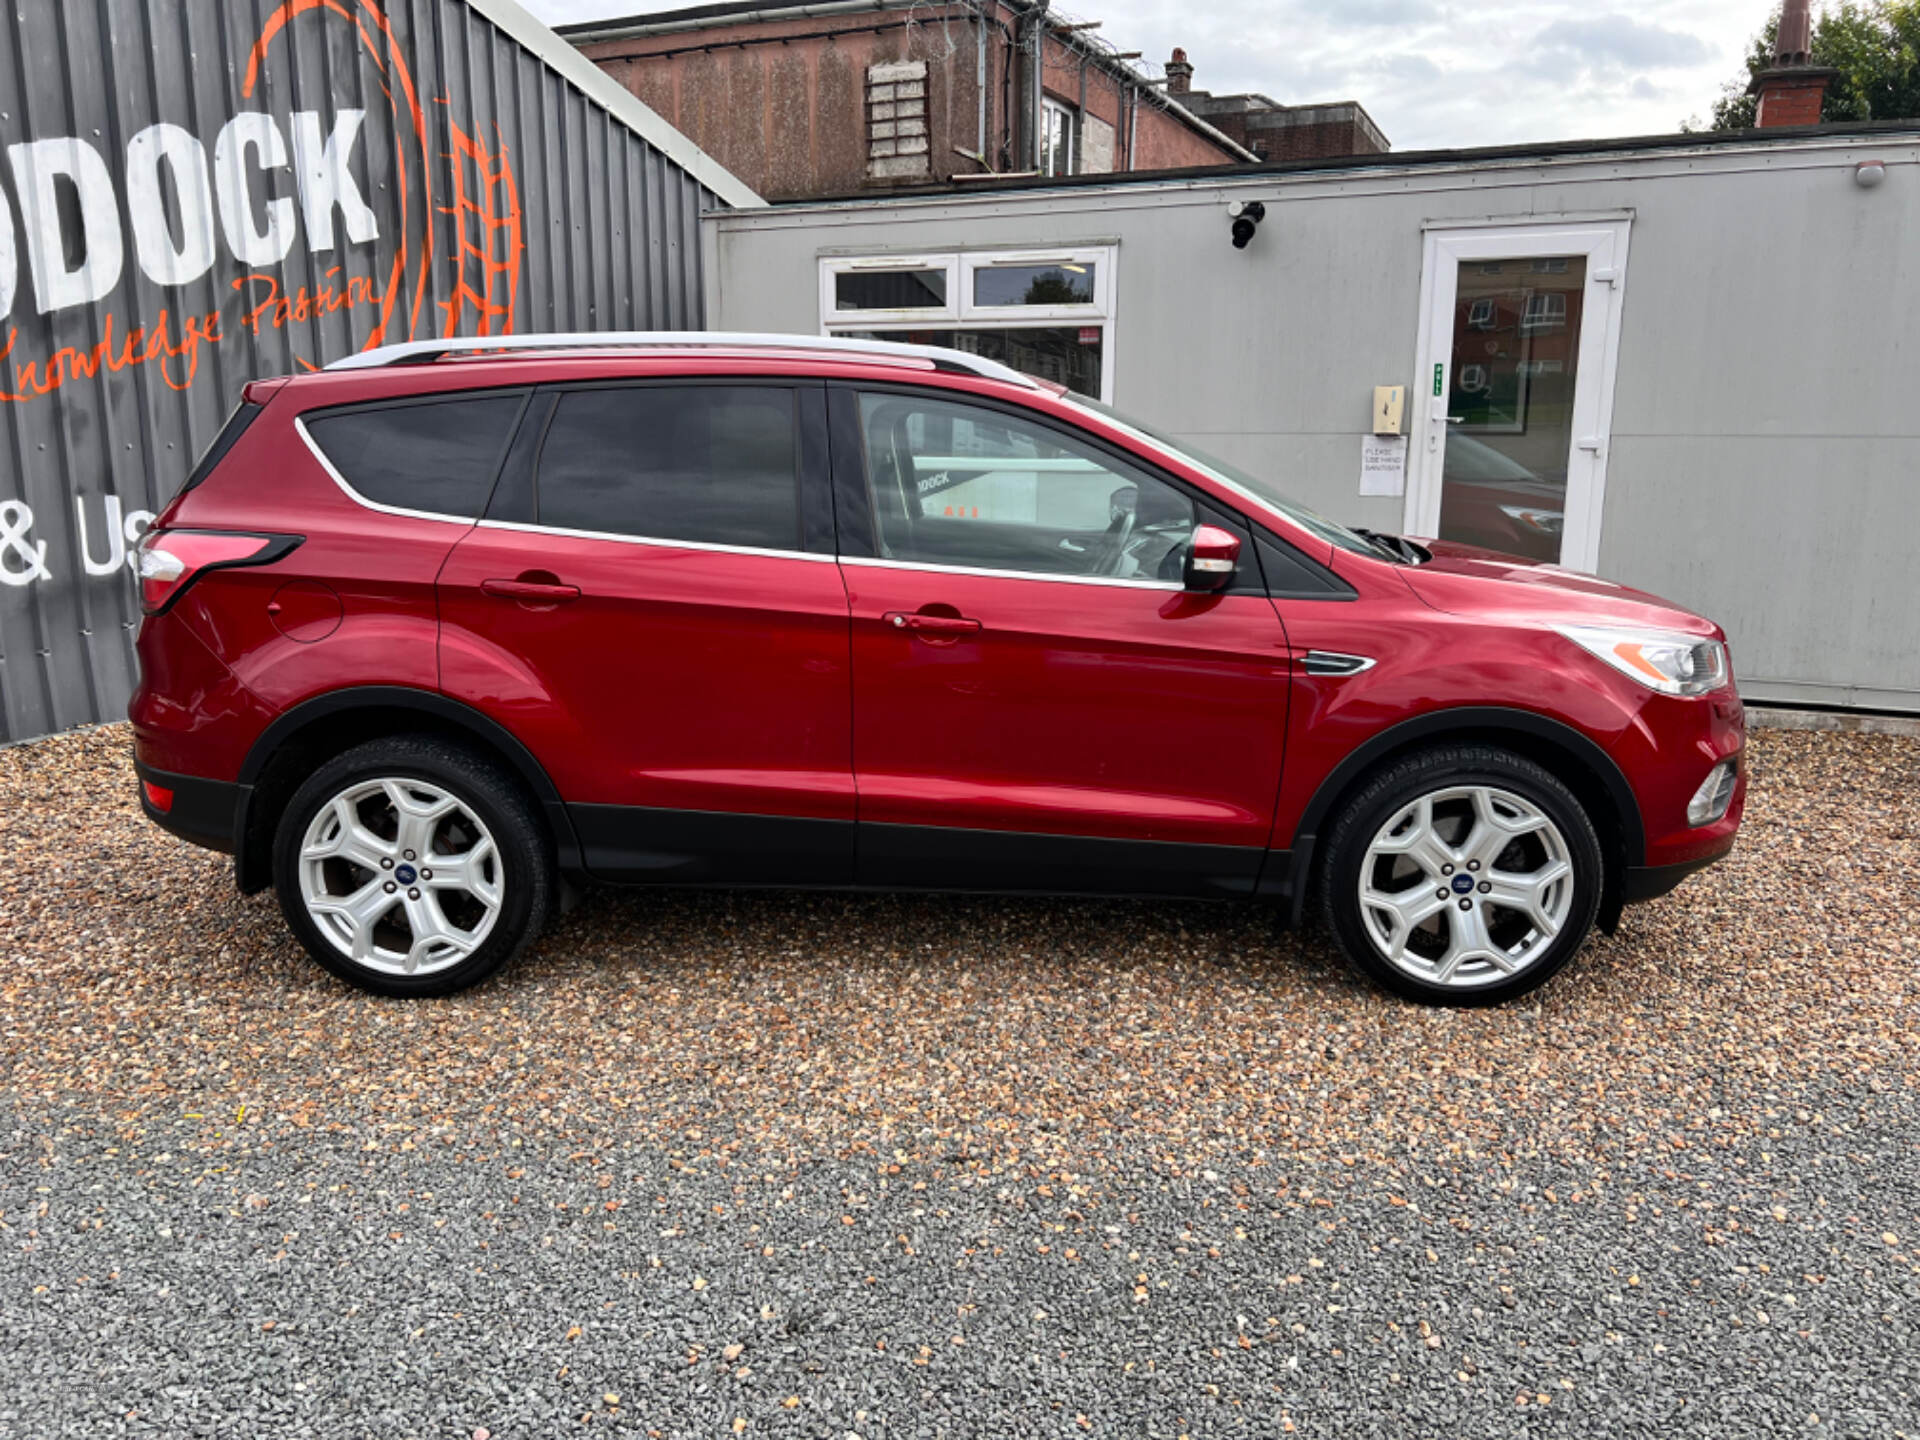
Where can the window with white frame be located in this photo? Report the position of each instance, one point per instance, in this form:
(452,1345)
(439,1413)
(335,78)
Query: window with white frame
(1546,310)
(1058,138)
(1047,313)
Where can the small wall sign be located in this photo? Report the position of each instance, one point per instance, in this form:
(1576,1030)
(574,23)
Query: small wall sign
(1383,464)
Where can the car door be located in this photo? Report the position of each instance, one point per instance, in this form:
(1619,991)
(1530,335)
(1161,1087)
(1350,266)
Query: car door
(1038,701)
(651,605)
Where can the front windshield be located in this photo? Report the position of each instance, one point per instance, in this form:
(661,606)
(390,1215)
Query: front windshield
(1237,479)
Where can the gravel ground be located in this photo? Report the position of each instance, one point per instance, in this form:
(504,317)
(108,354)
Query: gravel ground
(780,1165)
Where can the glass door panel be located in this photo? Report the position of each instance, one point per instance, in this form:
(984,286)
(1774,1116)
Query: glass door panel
(1510,404)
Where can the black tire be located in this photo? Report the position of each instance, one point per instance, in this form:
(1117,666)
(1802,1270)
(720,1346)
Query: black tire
(523,870)
(1434,772)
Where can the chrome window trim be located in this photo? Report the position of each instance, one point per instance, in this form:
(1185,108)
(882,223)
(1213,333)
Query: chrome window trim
(653,541)
(935,569)
(313,447)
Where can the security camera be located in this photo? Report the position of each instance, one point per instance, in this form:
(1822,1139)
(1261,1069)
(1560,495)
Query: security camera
(1246,216)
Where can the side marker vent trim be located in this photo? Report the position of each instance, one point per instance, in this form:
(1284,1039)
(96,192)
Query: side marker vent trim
(1329,662)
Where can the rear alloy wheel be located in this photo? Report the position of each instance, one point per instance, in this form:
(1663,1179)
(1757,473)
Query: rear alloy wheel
(1463,877)
(412,867)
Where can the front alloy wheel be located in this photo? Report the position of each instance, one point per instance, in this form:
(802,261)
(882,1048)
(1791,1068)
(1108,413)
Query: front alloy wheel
(1465,886)
(1462,877)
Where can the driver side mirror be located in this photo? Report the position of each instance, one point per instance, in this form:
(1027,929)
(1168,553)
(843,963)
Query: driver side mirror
(1212,556)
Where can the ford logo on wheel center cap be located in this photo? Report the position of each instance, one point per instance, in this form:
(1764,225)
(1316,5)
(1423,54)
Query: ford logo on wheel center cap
(1462,884)
(406,874)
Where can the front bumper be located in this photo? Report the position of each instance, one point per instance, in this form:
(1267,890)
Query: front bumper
(203,812)
(1650,882)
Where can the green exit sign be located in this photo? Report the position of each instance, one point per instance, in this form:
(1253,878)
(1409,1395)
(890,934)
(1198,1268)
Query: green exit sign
(1439,371)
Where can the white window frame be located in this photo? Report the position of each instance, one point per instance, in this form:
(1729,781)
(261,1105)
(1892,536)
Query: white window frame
(961,313)
(971,264)
(832,315)
(1069,120)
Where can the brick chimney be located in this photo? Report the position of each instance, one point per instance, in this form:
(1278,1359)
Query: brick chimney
(1792,88)
(1179,73)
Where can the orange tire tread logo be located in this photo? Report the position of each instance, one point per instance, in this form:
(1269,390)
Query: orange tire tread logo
(491,239)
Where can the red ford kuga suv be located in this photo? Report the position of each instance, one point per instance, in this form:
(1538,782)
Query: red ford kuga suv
(448,627)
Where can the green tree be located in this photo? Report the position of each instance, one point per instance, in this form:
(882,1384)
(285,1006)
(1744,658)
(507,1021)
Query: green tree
(1874,45)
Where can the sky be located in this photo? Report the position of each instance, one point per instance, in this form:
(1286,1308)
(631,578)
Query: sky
(1432,73)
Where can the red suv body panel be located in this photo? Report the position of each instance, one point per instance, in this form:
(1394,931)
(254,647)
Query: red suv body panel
(706,712)
(1080,710)
(680,680)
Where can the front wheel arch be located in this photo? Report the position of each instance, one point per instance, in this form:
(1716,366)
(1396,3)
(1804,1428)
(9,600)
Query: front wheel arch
(1574,759)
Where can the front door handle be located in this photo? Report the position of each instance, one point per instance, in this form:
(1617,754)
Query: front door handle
(537,592)
(944,627)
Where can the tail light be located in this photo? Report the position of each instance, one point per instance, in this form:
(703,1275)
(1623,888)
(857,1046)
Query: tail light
(171,560)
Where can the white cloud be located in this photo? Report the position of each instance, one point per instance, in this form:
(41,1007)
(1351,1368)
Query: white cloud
(1432,73)
(1617,43)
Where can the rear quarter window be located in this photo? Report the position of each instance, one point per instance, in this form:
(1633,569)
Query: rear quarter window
(439,456)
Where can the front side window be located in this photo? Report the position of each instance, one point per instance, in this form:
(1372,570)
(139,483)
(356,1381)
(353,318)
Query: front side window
(435,456)
(1235,478)
(965,486)
(709,464)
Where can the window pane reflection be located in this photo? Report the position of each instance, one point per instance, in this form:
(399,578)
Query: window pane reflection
(1516,350)
(890,290)
(1063,284)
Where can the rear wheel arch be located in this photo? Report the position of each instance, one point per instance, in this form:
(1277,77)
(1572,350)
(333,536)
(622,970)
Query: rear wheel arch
(1574,759)
(315,731)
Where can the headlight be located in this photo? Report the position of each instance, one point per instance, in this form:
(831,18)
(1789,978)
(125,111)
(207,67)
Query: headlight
(1660,660)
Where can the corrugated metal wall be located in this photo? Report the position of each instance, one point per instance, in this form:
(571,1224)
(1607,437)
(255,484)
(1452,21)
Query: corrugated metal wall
(190,201)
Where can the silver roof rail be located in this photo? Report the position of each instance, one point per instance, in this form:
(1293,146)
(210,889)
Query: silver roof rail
(420,352)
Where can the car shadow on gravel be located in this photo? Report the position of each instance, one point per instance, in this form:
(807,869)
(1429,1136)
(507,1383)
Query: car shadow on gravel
(664,930)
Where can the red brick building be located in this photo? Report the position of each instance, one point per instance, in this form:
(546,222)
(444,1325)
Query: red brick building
(823,99)
(1274,131)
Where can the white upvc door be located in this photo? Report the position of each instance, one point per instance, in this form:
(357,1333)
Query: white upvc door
(1519,334)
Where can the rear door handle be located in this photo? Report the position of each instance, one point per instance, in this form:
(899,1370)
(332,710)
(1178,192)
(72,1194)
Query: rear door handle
(538,591)
(942,625)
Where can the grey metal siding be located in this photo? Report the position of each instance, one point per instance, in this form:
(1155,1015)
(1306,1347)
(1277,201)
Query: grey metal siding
(609,239)
(1765,439)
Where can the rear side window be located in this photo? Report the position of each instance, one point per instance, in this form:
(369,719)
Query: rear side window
(244,414)
(712,464)
(440,456)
